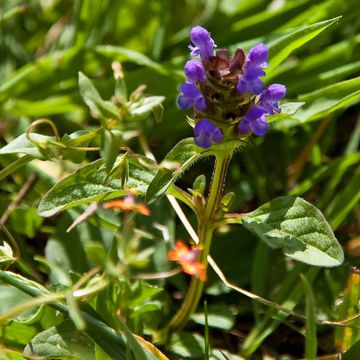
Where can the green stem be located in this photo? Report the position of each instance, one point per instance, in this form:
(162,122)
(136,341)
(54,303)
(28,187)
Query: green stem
(217,186)
(206,229)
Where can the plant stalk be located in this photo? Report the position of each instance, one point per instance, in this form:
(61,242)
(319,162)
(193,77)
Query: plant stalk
(206,229)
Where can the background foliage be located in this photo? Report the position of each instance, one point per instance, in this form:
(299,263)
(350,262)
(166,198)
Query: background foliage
(313,154)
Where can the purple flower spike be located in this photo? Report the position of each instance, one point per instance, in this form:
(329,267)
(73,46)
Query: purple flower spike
(191,96)
(250,82)
(269,98)
(254,121)
(204,44)
(194,71)
(205,133)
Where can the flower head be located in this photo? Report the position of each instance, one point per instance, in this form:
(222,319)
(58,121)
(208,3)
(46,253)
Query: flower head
(204,44)
(227,92)
(188,259)
(191,97)
(206,133)
(128,204)
(194,71)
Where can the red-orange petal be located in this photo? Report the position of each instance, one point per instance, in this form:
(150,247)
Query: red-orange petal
(126,206)
(187,258)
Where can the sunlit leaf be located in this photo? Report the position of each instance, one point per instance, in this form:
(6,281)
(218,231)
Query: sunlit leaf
(297,227)
(90,183)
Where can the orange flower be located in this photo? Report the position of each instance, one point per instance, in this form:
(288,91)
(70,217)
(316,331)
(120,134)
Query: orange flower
(188,259)
(128,204)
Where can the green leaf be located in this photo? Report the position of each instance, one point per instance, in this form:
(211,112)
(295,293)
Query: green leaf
(25,221)
(10,297)
(135,347)
(187,345)
(76,139)
(352,353)
(90,183)
(310,338)
(43,146)
(124,54)
(291,108)
(112,342)
(221,318)
(285,119)
(97,255)
(180,157)
(110,145)
(41,108)
(22,145)
(100,109)
(329,99)
(61,341)
(345,200)
(6,256)
(142,293)
(141,109)
(282,47)
(297,227)
(9,14)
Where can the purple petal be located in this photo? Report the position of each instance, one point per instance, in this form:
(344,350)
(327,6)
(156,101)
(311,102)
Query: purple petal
(254,121)
(254,113)
(250,82)
(194,50)
(254,86)
(191,96)
(194,71)
(184,102)
(205,132)
(200,103)
(253,72)
(260,126)
(242,86)
(274,92)
(258,54)
(244,126)
(204,44)
(269,98)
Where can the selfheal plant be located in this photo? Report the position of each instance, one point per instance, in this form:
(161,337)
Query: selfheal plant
(230,103)
(229,93)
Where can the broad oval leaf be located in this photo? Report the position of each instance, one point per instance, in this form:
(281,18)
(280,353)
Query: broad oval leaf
(180,157)
(91,183)
(299,228)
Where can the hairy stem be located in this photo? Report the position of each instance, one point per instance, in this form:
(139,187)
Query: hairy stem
(206,229)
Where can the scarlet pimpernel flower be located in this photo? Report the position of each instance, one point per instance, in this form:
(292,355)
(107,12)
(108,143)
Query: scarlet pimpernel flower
(188,259)
(228,96)
(128,203)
